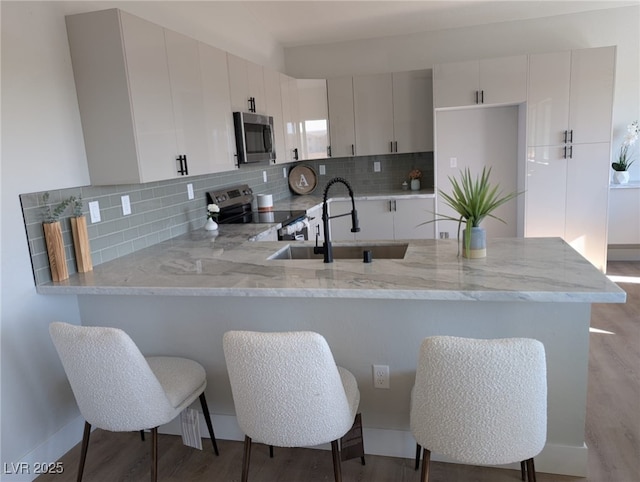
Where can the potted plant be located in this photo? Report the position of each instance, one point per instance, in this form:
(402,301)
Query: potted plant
(621,166)
(80,237)
(473,200)
(415,176)
(53,237)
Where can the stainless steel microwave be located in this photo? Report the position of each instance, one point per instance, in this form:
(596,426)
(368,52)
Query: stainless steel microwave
(254,138)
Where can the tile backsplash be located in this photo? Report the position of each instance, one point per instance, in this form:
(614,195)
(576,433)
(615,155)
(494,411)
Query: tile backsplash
(162,210)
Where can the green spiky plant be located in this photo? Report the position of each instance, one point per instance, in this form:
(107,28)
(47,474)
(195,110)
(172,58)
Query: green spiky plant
(473,200)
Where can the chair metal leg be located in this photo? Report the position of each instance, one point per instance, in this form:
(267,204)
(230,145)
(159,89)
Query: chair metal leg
(270,451)
(523,470)
(337,469)
(142,435)
(426,462)
(246,455)
(418,450)
(207,418)
(531,470)
(85,446)
(154,454)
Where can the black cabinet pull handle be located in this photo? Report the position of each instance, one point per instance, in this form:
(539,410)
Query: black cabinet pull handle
(395,205)
(390,208)
(482,96)
(353,149)
(476,96)
(571,135)
(570,152)
(391,146)
(295,153)
(183,169)
(566,133)
(396,146)
(564,153)
(329,151)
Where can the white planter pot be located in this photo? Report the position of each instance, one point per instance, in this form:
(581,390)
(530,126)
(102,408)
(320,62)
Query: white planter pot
(620,177)
(415,184)
(211,225)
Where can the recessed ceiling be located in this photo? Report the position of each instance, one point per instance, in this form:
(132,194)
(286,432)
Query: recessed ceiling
(295,23)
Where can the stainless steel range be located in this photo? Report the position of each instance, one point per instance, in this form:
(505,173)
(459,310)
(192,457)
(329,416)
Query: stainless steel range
(235,205)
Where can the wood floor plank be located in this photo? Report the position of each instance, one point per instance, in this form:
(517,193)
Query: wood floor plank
(612,430)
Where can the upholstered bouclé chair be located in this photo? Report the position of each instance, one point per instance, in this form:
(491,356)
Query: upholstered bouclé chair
(288,391)
(480,402)
(119,390)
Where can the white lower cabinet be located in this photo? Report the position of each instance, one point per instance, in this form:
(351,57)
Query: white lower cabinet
(567,197)
(316,229)
(384,219)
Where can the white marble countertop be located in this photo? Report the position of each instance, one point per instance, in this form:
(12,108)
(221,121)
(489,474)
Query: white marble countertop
(199,264)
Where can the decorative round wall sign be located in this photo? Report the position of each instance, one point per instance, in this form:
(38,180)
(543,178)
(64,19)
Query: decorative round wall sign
(303,179)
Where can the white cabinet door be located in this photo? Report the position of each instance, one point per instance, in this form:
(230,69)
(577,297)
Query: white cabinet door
(586,205)
(273,96)
(409,214)
(545,195)
(591,97)
(217,105)
(456,84)
(376,219)
(246,81)
(341,117)
(289,92)
(313,118)
(150,91)
(413,111)
(340,228)
(373,108)
(503,80)
(187,97)
(548,98)
(484,82)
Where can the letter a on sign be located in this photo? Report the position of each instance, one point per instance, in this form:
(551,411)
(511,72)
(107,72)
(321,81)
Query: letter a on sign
(302,182)
(302,179)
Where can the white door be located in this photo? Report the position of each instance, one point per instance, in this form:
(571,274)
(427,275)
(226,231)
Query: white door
(217,105)
(545,195)
(592,82)
(456,84)
(150,92)
(548,98)
(586,205)
(373,108)
(188,102)
(342,132)
(413,111)
(289,92)
(410,214)
(340,228)
(238,83)
(376,219)
(314,118)
(273,95)
(255,81)
(503,80)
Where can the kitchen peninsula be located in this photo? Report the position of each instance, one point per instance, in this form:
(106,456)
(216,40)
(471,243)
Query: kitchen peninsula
(180,296)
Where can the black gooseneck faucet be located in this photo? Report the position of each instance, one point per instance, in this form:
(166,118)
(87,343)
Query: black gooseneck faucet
(326,248)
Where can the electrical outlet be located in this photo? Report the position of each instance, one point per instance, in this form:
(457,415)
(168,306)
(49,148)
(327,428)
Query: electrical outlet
(380,376)
(323,171)
(190,194)
(376,166)
(264,176)
(126,205)
(94,211)
(284,172)
(453,162)
(444,234)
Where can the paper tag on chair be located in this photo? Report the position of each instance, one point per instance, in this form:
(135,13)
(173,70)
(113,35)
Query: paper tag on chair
(191,428)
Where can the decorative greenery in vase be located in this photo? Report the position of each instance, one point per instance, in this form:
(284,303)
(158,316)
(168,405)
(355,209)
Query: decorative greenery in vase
(473,200)
(52,215)
(53,237)
(624,159)
(415,174)
(212,211)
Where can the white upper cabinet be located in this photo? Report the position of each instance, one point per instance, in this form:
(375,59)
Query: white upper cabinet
(570,97)
(217,103)
(480,82)
(124,94)
(183,58)
(246,81)
(290,117)
(313,118)
(274,108)
(413,111)
(342,124)
(373,108)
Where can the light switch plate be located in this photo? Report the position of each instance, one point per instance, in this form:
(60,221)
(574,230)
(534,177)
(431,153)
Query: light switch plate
(94,211)
(126,205)
(323,171)
(190,194)
(453,162)
(376,166)
(264,176)
(284,172)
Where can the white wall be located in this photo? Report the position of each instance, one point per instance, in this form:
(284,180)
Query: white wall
(42,148)
(422,50)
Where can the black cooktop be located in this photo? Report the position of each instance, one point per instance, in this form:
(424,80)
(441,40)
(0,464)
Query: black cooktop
(282,217)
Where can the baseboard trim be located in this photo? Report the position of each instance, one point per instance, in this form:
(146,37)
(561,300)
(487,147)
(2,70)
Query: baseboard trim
(554,459)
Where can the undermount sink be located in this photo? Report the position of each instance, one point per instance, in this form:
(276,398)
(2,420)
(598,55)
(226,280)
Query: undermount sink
(378,251)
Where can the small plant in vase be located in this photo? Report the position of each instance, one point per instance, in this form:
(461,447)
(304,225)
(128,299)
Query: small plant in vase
(415,176)
(80,237)
(212,215)
(621,166)
(473,200)
(53,237)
